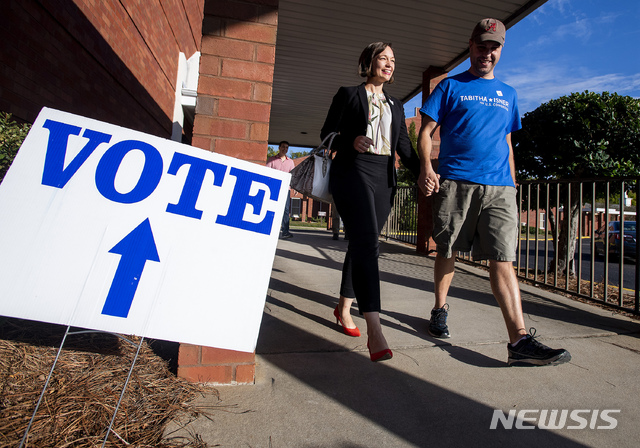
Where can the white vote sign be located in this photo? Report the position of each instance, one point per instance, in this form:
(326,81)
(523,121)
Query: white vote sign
(111,229)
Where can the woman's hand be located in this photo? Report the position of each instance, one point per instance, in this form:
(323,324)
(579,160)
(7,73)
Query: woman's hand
(362,143)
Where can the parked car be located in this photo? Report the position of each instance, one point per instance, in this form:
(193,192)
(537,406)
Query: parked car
(614,239)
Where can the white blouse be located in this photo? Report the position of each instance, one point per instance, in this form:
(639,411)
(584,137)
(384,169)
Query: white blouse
(379,124)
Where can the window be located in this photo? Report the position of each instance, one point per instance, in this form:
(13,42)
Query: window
(296,207)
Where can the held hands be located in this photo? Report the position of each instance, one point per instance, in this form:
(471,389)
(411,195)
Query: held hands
(362,143)
(429,181)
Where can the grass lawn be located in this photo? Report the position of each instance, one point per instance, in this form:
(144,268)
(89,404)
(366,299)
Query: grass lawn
(319,224)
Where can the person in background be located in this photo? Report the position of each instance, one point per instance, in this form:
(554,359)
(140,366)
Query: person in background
(283,163)
(362,180)
(474,204)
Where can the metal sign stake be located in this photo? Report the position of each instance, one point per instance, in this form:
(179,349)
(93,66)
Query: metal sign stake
(46,384)
(124,388)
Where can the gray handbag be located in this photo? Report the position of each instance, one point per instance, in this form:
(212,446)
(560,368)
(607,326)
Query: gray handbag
(311,177)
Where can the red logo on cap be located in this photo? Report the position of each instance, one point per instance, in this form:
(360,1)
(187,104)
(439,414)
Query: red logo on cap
(492,27)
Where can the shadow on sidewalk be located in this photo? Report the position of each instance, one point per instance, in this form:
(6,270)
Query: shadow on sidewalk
(403,403)
(419,412)
(401,265)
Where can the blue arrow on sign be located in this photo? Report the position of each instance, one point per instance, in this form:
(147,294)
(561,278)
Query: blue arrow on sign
(136,248)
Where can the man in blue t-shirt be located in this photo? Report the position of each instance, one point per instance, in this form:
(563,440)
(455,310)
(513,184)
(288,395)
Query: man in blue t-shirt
(474,203)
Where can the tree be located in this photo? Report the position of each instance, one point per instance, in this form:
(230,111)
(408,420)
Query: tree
(296,155)
(271,152)
(406,177)
(580,136)
(413,135)
(12,135)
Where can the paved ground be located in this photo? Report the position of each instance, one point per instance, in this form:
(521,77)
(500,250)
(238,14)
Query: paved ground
(316,387)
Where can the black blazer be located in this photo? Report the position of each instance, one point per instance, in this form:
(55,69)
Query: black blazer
(348,115)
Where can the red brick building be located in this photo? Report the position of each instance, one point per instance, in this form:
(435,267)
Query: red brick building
(141,65)
(112,62)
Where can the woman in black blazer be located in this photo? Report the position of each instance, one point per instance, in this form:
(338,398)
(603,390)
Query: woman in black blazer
(362,179)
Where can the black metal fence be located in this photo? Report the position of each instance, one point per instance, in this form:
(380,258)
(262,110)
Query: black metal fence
(403,220)
(586,229)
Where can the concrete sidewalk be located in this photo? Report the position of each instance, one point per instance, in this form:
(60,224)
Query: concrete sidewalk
(316,387)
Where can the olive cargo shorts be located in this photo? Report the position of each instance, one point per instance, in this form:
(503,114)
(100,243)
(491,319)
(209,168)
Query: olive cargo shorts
(478,218)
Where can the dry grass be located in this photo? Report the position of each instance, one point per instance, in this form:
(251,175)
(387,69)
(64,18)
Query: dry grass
(81,397)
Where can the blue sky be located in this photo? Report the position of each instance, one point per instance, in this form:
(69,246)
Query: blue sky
(568,46)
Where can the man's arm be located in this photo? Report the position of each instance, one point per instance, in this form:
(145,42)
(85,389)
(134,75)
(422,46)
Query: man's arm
(428,180)
(512,163)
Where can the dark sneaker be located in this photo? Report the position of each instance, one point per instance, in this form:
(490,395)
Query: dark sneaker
(287,235)
(532,353)
(438,323)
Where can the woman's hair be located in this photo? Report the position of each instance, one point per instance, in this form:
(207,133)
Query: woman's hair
(368,55)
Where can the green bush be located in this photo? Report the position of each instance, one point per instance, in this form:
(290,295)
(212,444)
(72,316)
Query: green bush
(12,135)
(532,230)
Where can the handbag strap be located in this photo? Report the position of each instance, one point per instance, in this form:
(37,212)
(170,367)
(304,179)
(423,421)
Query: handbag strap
(331,136)
(322,148)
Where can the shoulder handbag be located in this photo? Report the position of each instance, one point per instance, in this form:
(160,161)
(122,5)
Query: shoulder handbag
(311,177)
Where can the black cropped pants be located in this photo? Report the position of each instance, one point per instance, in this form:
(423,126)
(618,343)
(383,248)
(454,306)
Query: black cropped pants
(363,197)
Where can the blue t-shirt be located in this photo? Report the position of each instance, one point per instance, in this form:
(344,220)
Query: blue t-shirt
(475,115)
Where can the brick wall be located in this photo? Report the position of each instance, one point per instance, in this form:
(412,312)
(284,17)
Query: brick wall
(430,79)
(236,76)
(417,119)
(232,118)
(215,365)
(113,61)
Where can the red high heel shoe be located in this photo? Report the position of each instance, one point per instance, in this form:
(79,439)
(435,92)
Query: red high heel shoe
(382,355)
(348,331)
